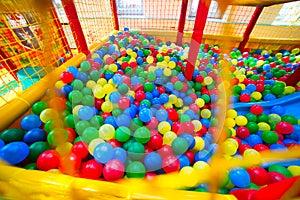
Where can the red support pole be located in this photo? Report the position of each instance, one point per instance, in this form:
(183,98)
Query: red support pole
(294,78)
(71,13)
(250,27)
(200,20)
(181,24)
(115,14)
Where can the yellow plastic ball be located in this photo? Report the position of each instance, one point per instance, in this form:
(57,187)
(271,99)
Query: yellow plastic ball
(91,84)
(231,113)
(274,118)
(229,122)
(197,125)
(263,126)
(172,99)
(199,143)
(200,102)
(172,64)
(133,54)
(241,120)
(189,176)
(106,132)
(252,156)
(129,51)
(108,88)
(234,61)
(150,59)
(93,144)
(289,90)
(107,107)
(76,109)
(208,80)
(243,86)
(167,72)
(48,114)
(256,95)
(260,63)
(241,77)
(113,67)
(168,137)
(179,103)
(229,148)
(205,113)
(294,169)
(64,148)
(102,81)
(203,171)
(59,84)
(168,105)
(95,55)
(164,127)
(233,132)
(98,92)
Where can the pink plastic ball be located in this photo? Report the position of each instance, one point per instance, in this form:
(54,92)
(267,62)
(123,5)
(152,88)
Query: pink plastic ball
(113,170)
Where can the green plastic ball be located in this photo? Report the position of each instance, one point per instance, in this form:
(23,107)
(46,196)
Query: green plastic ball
(123,88)
(123,134)
(12,135)
(142,135)
(136,169)
(97,121)
(179,146)
(35,149)
(136,151)
(38,107)
(280,169)
(269,137)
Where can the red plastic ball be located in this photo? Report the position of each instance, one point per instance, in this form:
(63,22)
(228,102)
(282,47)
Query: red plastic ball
(199,79)
(155,141)
(165,151)
(91,169)
(243,148)
(105,115)
(260,87)
(284,128)
(152,124)
(69,164)
(242,132)
(256,109)
(170,164)
(190,155)
(71,134)
(67,77)
(188,127)
(176,126)
(172,114)
(259,175)
(113,170)
(140,95)
(245,98)
(80,149)
(114,143)
(276,177)
(98,103)
(261,147)
(48,160)
(124,103)
(161,89)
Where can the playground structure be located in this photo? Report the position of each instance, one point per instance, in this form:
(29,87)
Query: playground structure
(37,48)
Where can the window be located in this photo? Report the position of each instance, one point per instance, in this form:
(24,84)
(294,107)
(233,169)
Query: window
(213,12)
(130,7)
(289,14)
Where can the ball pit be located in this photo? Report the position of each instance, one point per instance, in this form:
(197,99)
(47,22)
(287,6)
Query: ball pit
(128,112)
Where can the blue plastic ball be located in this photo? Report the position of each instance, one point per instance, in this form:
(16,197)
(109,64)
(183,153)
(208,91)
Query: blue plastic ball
(86,113)
(34,135)
(164,98)
(187,100)
(114,97)
(153,161)
(203,155)
(161,115)
(117,79)
(183,160)
(14,152)
(189,138)
(239,177)
(123,120)
(73,70)
(82,76)
(31,121)
(120,154)
(1,143)
(155,93)
(103,152)
(111,120)
(145,115)
(254,139)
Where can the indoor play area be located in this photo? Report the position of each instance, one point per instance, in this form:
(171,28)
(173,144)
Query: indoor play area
(150,99)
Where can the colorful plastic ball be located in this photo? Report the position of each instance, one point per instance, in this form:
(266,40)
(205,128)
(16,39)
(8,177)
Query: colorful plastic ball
(48,160)
(48,114)
(170,164)
(280,169)
(199,143)
(120,154)
(276,177)
(245,98)
(107,107)
(124,103)
(239,177)
(203,155)
(12,135)
(122,134)
(69,163)
(164,127)
(57,136)
(183,160)
(161,115)
(254,139)
(34,135)
(38,107)
(252,156)
(145,115)
(169,137)
(113,170)
(14,152)
(86,113)
(190,140)
(269,137)
(142,135)
(284,128)
(67,77)
(180,145)
(258,175)
(36,149)
(172,114)
(136,169)
(106,132)
(205,113)
(256,109)
(31,121)
(279,110)
(155,141)
(80,149)
(242,132)
(103,152)
(153,161)
(241,120)
(136,151)
(91,169)
(294,169)
(263,126)
(229,148)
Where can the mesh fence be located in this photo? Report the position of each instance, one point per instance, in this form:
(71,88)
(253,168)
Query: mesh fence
(95,17)
(32,43)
